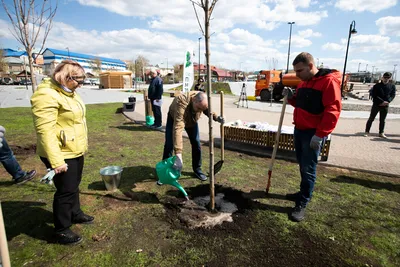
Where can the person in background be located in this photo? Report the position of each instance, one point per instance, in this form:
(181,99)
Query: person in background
(382,94)
(59,117)
(155,93)
(11,164)
(199,85)
(184,112)
(317,106)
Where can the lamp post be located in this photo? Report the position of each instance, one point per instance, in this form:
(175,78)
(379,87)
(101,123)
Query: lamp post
(317,63)
(373,69)
(352,30)
(366,68)
(199,60)
(69,57)
(394,72)
(358,70)
(290,39)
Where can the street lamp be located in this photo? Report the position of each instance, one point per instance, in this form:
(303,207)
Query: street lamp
(199,59)
(359,67)
(352,30)
(366,68)
(317,63)
(290,39)
(394,72)
(68,53)
(373,69)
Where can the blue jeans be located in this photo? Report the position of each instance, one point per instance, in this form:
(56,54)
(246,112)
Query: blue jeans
(193,133)
(157,113)
(9,161)
(308,160)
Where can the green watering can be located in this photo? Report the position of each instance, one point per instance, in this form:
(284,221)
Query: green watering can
(168,175)
(149,120)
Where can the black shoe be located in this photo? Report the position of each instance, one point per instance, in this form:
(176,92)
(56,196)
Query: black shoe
(298,213)
(83,219)
(67,237)
(27,177)
(200,175)
(293,197)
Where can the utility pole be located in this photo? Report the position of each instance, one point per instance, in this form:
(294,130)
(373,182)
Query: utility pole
(290,39)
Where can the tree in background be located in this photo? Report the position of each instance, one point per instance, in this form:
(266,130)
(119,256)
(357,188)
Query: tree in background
(3,63)
(178,72)
(140,63)
(95,65)
(31,19)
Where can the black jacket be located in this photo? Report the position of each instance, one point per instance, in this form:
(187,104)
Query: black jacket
(155,88)
(383,92)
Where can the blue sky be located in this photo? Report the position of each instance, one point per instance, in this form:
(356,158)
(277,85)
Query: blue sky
(248,34)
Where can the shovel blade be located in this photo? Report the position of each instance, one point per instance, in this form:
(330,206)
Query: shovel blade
(218,166)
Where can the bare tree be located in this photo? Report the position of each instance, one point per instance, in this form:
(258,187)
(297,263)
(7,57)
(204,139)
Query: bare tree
(140,63)
(205,6)
(31,21)
(3,63)
(95,65)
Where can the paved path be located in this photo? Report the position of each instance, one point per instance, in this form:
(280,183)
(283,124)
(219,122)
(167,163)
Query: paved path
(348,148)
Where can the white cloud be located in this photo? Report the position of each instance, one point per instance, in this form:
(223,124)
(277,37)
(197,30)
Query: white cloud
(373,6)
(389,25)
(5,28)
(300,39)
(308,33)
(333,47)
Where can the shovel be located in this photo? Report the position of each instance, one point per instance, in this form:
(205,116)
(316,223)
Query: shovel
(278,133)
(218,165)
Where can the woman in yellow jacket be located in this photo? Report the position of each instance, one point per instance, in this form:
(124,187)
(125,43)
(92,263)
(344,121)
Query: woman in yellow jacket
(60,123)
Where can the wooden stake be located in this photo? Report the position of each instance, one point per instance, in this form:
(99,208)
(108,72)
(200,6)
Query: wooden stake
(5,257)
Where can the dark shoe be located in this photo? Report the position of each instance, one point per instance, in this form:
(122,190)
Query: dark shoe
(27,177)
(155,127)
(293,197)
(298,213)
(68,237)
(83,219)
(200,175)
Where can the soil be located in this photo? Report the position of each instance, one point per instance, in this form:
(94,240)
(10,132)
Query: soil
(23,151)
(269,248)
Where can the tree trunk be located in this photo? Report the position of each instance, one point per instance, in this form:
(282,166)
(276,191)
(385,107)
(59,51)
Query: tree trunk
(210,119)
(33,80)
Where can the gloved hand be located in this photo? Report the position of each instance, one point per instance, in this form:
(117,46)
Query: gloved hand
(316,142)
(289,92)
(2,131)
(221,119)
(178,164)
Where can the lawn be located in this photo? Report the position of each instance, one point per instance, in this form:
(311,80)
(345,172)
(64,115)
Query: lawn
(353,219)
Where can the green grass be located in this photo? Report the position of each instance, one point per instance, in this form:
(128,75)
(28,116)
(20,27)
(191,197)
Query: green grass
(353,219)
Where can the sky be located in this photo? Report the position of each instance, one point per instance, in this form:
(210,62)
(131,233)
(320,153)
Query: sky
(249,35)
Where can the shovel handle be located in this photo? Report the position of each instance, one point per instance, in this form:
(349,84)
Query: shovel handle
(222,127)
(5,256)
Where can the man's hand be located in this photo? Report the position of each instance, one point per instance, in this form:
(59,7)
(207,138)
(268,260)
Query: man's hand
(178,164)
(316,142)
(221,119)
(287,91)
(62,168)
(384,104)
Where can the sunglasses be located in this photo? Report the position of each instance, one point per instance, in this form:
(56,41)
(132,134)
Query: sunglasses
(78,79)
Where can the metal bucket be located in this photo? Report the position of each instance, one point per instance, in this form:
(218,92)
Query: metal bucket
(111,176)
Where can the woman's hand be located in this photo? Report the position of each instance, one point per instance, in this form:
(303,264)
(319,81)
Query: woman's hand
(60,169)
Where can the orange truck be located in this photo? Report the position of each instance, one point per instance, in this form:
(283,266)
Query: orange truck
(273,81)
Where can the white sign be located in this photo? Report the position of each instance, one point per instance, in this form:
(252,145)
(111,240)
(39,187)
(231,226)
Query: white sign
(188,74)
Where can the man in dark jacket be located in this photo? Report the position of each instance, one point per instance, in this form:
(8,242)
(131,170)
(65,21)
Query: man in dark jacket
(317,102)
(155,95)
(382,94)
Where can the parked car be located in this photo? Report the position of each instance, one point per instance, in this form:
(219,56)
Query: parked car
(87,82)
(6,81)
(95,81)
(25,82)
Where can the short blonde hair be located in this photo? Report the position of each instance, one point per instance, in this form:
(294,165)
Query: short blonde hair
(66,69)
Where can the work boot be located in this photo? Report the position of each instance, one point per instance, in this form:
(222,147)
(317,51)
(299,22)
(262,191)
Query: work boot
(293,197)
(67,237)
(200,175)
(27,177)
(298,213)
(83,219)
(383,135)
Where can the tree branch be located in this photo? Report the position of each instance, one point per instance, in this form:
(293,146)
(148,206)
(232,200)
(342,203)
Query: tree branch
(197,17)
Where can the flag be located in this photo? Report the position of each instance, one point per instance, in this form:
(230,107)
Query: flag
(188,73)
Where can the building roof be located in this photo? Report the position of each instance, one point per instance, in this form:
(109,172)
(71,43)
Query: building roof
(222,73)
(78,55)
(7,52)
(13,60)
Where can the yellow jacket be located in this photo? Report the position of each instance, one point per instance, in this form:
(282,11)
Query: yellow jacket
(60,123)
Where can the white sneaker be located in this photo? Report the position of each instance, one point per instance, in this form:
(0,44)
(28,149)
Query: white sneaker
(383,135)
(366,134)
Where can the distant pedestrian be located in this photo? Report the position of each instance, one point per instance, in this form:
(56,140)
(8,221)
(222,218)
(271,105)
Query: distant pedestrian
(382,94)
(317,102)
(155,93)
(11,164)
(199,85)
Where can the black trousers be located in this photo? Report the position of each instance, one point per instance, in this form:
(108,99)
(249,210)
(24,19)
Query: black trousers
(383,111)
(157,113)
(66,205)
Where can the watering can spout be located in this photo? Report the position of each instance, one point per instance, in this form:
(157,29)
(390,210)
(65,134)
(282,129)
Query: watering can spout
(180,188)
(168,175)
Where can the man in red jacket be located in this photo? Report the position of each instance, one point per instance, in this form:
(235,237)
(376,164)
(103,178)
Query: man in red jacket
(317,102)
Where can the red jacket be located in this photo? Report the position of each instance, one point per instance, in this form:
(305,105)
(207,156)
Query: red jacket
(317,102)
